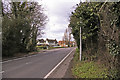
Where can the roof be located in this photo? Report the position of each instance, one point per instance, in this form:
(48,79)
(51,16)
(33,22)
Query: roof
(51,40)
(65,41)
(41,40)
(61,41)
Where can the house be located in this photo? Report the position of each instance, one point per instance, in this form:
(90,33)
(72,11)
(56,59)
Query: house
(72,43)
(62,43)
(65,44)
(51,42)
(41,42)
(47,42)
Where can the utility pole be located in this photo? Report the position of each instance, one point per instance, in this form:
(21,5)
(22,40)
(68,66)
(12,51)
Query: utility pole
(80,45)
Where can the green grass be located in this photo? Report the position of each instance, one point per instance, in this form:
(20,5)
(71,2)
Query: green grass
(87,69)
(54,47)
(39,48)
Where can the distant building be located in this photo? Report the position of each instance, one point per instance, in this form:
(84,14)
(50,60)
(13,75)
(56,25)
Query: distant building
(62,43)
(65,44)
(47,42)
(72,43)
(41,42)
(51,42)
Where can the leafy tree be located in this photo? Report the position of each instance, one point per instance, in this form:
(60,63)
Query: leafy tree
(22,21)
(100,32)
(38,22)
(85,16)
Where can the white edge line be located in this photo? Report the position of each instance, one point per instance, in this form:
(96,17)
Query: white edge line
(13,60)
(2,72)
(57,65)
(17,59)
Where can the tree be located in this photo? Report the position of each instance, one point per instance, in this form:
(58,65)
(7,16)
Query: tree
(22,22)
(85,16)
(38,22)
(100,32)
(67,36)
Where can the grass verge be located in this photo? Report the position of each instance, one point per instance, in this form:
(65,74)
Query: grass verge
(87,69)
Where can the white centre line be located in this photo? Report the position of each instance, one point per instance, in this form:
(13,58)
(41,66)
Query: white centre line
(57,65)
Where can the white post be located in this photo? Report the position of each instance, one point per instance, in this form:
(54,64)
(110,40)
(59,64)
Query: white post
(80,44)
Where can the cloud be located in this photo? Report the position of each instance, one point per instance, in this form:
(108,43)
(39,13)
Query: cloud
(58,13)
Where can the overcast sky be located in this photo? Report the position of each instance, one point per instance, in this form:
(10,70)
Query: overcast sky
(58,12)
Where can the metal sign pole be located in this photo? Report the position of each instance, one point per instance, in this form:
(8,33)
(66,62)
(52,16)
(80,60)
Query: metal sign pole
(80,44)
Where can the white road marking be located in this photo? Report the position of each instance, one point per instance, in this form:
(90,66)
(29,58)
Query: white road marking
(2,72)
(57,65)
(6,61)
(17,59)
(28,62)
(22,57)
(13,60)
(25,57)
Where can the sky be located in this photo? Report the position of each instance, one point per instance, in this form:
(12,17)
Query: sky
(58,12)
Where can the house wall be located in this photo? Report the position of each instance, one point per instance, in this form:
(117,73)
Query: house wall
(47,43)
(50,44)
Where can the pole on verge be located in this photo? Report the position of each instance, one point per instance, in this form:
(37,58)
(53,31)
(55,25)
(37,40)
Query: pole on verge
(80,45)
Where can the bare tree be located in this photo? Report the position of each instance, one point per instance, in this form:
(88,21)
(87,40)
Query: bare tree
(67,36)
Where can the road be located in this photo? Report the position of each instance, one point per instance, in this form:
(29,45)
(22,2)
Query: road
(36,66)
